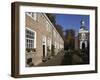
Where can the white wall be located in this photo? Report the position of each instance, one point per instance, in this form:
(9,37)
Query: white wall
(5,40)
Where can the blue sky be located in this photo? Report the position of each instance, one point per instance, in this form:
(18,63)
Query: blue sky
(71,21)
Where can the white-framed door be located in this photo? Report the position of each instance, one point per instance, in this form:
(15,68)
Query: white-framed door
(44,46)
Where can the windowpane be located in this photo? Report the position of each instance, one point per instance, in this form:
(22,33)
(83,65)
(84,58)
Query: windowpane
(29,39)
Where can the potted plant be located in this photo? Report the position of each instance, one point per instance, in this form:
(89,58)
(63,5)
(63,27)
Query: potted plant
(28,50)
(33,49)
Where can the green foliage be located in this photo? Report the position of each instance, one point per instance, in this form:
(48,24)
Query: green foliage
(30,49)
(59,28)
(69,39)
(52,18)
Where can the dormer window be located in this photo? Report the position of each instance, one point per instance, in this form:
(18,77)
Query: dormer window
(33,15)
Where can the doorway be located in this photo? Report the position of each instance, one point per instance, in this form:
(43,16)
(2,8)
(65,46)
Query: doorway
(83,45)
(43,51)
(44,46)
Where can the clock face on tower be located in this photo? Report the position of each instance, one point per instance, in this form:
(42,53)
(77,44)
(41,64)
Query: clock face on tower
(83,36)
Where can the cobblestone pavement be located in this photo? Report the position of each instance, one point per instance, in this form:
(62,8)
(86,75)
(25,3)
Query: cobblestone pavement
(56,60)
(63,59)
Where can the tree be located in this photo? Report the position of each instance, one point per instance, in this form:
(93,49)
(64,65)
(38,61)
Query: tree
(69,39)
(58,27)
(52,18)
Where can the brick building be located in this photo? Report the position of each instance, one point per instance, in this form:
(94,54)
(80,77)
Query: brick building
(42,38)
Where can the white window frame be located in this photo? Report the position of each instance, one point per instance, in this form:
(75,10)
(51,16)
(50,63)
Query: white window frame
(34,35)
(44,42)
(33,15)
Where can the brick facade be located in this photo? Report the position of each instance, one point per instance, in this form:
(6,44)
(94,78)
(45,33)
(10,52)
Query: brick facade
(47,41)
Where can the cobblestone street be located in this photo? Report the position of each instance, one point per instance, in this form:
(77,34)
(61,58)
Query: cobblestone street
(63,59)
(56,60)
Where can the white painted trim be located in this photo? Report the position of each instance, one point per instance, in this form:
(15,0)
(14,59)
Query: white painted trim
(44,42)
(83,31)
(30,15)
(35,16)
(35,36)
(51,24)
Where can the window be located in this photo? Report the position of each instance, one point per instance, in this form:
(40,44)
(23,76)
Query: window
(30,38)
(29,13)
(83,36)
(33,15)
